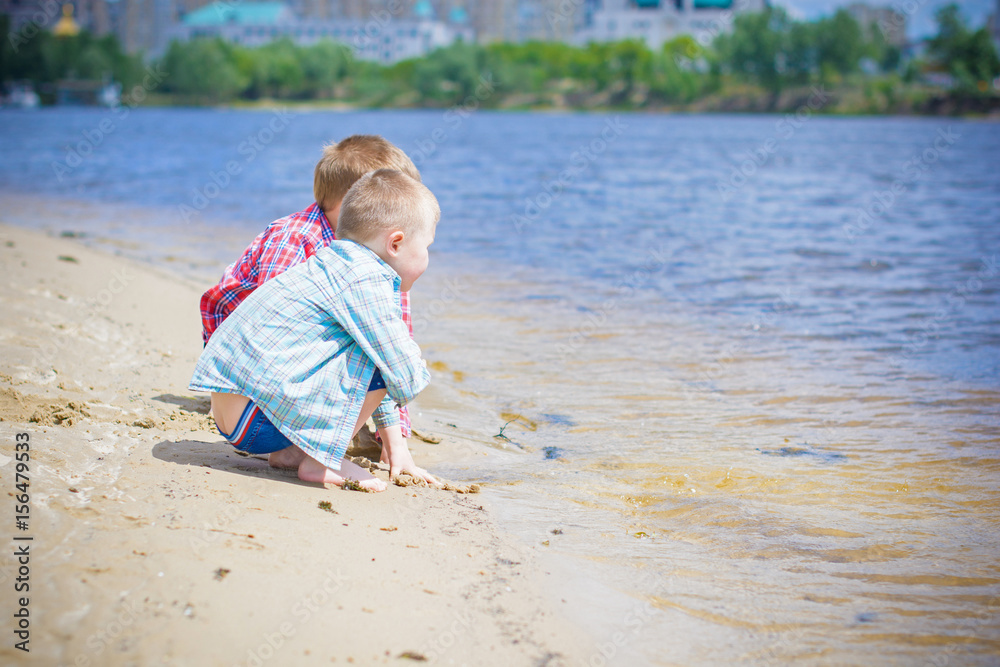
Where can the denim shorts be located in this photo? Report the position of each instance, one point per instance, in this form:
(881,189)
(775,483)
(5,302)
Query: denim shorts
(377,381)
(255,434)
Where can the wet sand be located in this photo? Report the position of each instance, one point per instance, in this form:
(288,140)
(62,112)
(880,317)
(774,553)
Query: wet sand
(154,543)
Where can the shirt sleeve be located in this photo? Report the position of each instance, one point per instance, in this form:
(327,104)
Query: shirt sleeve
(404,414)
(387,413)
(368,312)
(211,318)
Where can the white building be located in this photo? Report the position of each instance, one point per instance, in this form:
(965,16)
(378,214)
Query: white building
(382,37)
(888,21)
(659,21)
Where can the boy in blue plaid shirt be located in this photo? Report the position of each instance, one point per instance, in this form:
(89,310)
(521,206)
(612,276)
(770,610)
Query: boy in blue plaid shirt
(305,360)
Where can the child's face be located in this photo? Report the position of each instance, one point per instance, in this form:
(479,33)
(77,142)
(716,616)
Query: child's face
(407,255)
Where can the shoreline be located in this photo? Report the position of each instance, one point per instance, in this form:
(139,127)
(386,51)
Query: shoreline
(757,103)
(328,106)
(152,538)
(338,107)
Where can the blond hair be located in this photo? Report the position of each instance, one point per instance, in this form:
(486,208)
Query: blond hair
(386,200)
(345,162)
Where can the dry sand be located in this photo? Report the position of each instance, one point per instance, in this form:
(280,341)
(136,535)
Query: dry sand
(154,543)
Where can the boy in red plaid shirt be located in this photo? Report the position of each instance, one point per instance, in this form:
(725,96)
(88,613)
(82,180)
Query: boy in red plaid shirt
(295,238)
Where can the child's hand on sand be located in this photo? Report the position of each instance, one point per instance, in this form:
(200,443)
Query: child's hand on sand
(396,453)
(401,461)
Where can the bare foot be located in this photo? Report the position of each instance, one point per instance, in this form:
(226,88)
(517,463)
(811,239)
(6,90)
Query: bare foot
(311,470)
(289,457)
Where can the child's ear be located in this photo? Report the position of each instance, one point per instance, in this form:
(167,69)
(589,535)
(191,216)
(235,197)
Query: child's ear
(394,241)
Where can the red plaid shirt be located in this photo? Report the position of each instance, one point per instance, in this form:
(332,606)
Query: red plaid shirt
(283,244)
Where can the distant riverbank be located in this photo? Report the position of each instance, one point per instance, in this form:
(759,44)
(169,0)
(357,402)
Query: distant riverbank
(876,100)
(764,62)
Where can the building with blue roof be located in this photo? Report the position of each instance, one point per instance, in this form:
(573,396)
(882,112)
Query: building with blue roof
(243,13)
(381,37)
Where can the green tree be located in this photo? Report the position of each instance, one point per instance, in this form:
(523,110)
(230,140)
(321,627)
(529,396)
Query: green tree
(887,56)
(839,44)
(629,62)
(449,75)
(6,50)
(203,69)
(92,62)
(43,58)
(324,65)
(802,54)
(679,71)
(126,69)
(279,72)
(757,48)
(969,56)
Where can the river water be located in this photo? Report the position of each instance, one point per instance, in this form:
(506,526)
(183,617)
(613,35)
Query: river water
(749,366)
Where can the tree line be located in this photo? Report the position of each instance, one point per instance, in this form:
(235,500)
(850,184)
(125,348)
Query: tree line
(31,54)
(765,53)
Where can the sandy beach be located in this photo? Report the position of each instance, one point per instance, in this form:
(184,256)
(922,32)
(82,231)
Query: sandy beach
(153,543)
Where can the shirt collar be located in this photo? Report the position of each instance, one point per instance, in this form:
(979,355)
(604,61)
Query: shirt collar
(316,212)
(365,251)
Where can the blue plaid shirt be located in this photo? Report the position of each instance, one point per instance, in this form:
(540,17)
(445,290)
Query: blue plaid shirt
(304,347)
